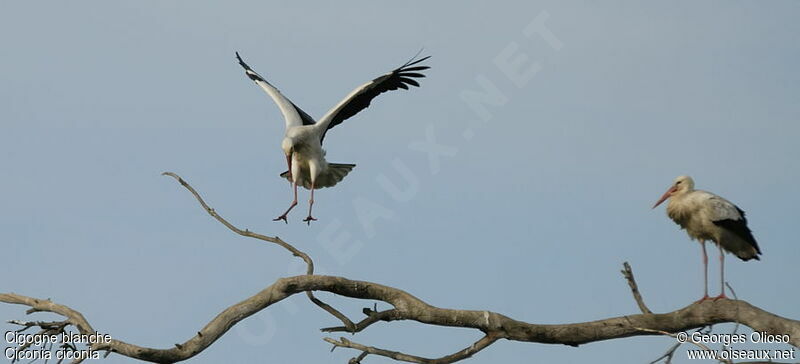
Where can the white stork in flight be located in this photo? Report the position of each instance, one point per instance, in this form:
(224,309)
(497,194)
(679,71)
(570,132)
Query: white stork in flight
(302,143)
(706,216)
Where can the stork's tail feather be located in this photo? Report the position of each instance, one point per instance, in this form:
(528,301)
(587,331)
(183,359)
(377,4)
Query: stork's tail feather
(737,238)
(749,251)
(333,174)
(745,256)
(329,178)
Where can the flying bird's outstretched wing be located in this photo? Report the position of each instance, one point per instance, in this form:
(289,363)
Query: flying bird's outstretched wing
(293,115)
(360,98)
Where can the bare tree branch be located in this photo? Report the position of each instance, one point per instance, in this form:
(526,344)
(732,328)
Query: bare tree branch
(276,240)
(405,306)
(667,357)
(358,359)
(411,308)
(372,317)
(628,274)
(467,352)
(698,344)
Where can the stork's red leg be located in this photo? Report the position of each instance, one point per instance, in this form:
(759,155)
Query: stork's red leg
(294,203)
(705,273)
(309,219)
(289,164)
(721,274)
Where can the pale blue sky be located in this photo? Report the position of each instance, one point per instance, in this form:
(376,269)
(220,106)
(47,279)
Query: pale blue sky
(532,217)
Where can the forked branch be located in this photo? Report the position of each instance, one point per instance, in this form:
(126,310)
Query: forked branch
(276,240)
(405,306)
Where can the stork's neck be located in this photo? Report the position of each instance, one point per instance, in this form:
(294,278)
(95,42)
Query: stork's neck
(679,209)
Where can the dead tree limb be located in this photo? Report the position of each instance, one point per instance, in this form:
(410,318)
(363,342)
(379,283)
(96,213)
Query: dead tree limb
(405,306)
(275,240)
(495,325)
(637,296)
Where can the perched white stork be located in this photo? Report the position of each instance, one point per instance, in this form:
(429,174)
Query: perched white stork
(302,143)
(706,216)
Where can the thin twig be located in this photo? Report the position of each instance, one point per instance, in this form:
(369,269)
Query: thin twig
(667,355)
(373,317)
(733,292)
(674,335)
(467,352)
(358,359)
(627,272)
(275,240)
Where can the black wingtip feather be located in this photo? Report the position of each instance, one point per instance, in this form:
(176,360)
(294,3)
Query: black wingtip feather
(740,229)
(399,78)
(417,68)
(405,73)
(247,70)
(409,63)
(412,62)
(241,62)
(409,81)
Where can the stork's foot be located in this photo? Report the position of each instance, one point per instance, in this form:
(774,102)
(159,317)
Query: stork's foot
(294,203)
(704,298)
(309,219)
(720,297)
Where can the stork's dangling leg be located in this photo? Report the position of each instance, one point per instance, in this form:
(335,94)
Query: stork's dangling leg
(705,272)
(309,219)
(721,274)
(289,167)
(294,203)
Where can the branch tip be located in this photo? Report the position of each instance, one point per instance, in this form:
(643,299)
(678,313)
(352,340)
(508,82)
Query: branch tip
(627,272)
(276,240)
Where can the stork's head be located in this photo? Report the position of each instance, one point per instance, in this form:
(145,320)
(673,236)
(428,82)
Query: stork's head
(680,185)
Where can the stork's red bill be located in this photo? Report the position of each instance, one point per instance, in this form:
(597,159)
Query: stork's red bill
(706,216)
(302,143)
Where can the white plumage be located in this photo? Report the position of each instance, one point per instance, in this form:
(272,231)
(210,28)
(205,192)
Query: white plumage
(302,143)
(706,216)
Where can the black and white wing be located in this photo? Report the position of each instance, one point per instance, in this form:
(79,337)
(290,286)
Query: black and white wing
(720,209)
(731,218)
(293,115)
(360,98)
